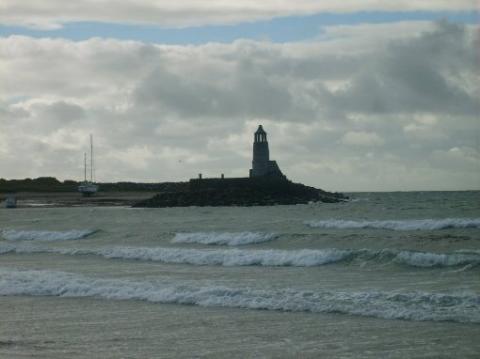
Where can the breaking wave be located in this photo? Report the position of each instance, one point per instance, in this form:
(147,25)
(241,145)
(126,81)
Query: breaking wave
(398,225)
(428,260)
(268,258)
(418,306)
(220,257)
(20,235)
(225,238)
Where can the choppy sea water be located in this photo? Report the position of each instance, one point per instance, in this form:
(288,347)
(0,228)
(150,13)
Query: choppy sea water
(389,275)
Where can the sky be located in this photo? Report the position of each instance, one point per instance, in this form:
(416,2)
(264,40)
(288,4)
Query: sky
(354,95)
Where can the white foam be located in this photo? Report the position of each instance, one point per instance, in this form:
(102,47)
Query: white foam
(227,257)
(23,235)
(221,257)
(270,258)
(420,306)
(398,225)
(426,259)
(225,238)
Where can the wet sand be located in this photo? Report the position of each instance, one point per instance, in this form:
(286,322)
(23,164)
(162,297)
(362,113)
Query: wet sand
(93,328)
(75,199)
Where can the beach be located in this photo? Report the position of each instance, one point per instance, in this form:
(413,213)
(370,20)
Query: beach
(75,199)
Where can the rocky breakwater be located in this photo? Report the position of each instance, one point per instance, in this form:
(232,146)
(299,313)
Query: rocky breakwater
(239,192)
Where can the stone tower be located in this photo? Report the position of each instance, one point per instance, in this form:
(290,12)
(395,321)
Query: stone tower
(261,164)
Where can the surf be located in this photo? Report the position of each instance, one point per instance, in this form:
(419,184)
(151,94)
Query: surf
(46,236)
(224,238)
(416,306)
(397,225)
(262,257)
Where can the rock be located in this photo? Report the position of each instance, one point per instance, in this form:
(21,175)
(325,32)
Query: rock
(256,191)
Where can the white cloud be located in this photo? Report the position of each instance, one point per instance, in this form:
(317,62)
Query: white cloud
(51,14)
(362,138)
(164,113)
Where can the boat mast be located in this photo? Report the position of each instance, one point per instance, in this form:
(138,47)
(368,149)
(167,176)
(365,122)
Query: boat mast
(91,158)
(85,166)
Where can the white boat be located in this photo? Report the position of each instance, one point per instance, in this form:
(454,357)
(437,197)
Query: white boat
(88,187)
(11,201)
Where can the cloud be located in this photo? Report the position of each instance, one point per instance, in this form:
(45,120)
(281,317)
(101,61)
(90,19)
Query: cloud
(51,14)
(428,73)
(339,116)
(362,138)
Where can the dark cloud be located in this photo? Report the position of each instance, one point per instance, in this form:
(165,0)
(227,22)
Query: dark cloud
(245,91)
(423,74)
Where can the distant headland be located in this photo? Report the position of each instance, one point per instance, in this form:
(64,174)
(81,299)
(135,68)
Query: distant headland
(266,185)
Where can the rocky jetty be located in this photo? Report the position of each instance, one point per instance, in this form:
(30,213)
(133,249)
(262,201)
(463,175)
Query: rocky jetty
(239,192)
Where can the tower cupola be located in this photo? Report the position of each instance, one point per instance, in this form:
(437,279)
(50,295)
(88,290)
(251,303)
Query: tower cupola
(260,135)
(261,164)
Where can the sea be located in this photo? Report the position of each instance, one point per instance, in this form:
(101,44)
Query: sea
(382,275)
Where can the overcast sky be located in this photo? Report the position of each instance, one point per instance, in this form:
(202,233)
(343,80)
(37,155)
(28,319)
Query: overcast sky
(354,95)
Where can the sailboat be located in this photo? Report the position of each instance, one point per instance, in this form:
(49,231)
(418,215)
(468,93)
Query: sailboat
(88,187)
(10,201)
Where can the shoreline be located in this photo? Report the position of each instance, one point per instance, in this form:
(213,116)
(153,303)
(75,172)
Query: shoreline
(75,199)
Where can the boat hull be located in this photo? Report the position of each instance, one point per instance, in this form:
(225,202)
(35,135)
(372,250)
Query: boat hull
(88,189)
(11,202)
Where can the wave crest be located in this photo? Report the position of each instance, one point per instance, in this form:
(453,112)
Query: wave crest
(22,235)
(226,257)
(268,258)
(419,306)
(225,238)
(398,225)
